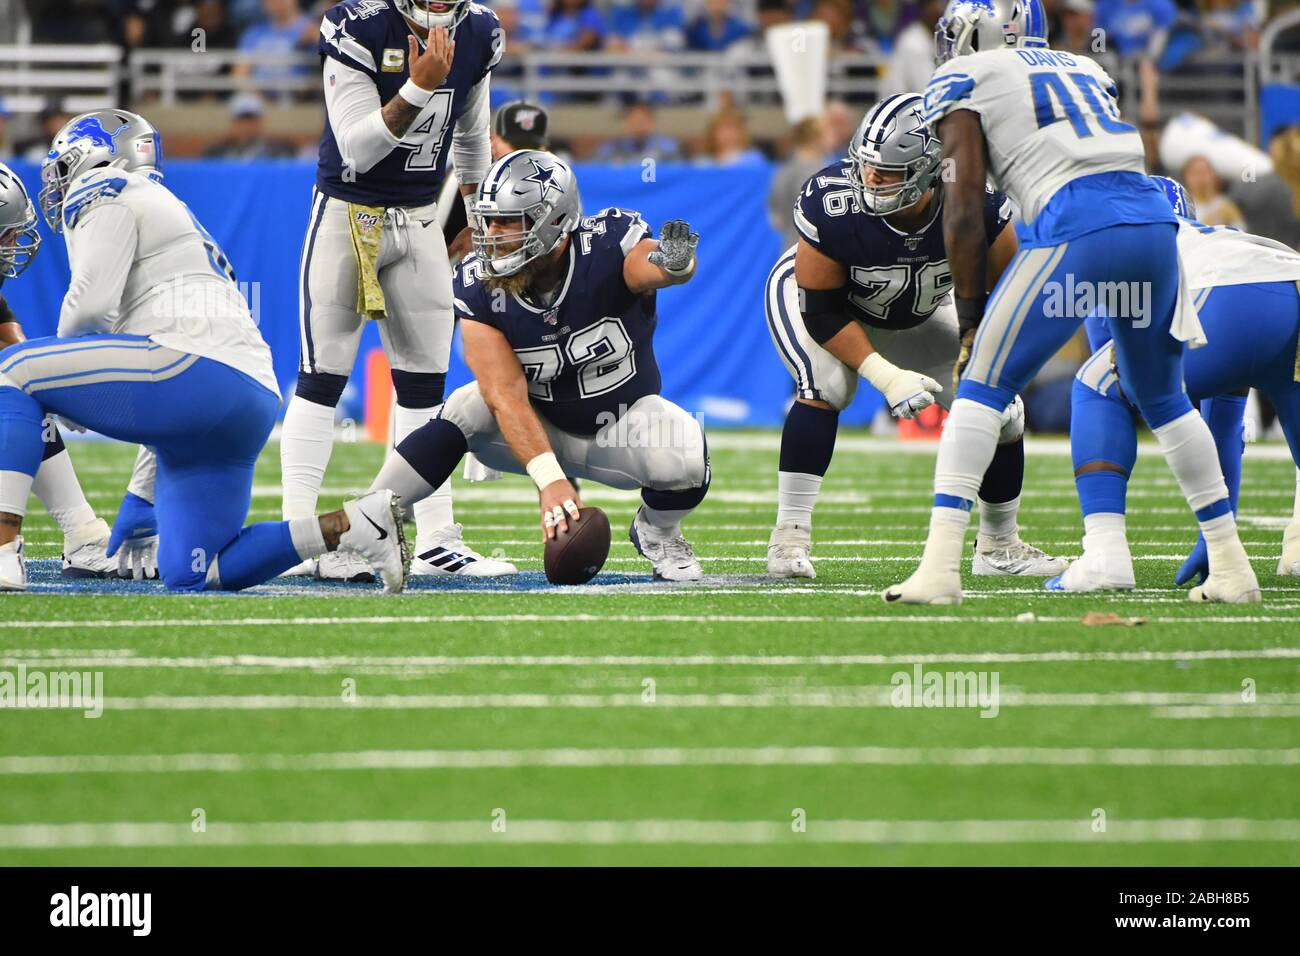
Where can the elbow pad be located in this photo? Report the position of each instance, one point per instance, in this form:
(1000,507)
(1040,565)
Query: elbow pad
(823,311)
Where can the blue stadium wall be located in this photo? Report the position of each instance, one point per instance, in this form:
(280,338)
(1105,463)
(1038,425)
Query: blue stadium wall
(712,341)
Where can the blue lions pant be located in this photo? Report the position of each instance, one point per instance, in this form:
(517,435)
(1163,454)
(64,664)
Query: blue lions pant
(1253,334)
(1042,298)
(206,422)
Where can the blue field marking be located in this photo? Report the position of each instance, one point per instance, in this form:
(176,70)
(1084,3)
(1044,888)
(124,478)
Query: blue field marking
(44,577)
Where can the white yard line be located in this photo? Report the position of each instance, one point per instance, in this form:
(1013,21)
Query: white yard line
(339,662)
(47,836)
(567,758)
(1188,704)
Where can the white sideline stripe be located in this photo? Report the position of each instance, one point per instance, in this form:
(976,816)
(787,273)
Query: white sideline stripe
(893,619)
(566,758)
(1202,712)
(47,836)
(655,660)
(1206,705)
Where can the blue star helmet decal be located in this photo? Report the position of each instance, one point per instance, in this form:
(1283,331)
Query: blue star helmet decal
(544,177)
(922,129)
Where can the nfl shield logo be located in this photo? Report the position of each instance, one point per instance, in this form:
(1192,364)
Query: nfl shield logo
(551,316)
(911,242)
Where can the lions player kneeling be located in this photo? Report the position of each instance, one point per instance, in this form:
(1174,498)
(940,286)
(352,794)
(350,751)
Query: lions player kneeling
(866,292)
(558,319)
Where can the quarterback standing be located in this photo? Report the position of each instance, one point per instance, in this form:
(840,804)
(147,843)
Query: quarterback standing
(406,83)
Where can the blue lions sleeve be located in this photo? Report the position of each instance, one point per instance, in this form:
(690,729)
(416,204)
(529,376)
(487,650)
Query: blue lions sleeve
(949,89)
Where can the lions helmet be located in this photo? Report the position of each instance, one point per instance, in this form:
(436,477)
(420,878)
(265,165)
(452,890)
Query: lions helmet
(1178,196)
(537,192)
(116,138)
(893,138)
(19,238)
(969,26)
(433,13)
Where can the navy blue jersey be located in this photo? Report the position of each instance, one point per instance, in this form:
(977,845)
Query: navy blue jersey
(896,279)
(589,355)
(370,36)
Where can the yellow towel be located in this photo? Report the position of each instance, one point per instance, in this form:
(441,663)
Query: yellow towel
(366,225)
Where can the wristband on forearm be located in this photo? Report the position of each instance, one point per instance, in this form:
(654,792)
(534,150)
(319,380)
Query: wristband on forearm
(970,312)
(545,470)
(877,370)
(415,95)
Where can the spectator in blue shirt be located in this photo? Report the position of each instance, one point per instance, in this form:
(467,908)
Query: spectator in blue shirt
(640,140)
(647,25)
(285,30)
(573,25)
(717,28)
(1136,27)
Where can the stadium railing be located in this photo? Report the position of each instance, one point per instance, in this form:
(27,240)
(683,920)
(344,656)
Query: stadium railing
(80,77)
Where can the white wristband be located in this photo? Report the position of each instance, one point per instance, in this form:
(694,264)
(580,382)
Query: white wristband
(415,95)
(876,369)
(544,469)
(471,217)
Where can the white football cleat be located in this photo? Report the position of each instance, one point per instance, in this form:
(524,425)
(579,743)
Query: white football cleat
(84,552)
(1011,557)
(445,553)
(13,566)
(1289,565)
(1106,565)
(303,569)
(376,535)
(926,588)
(671,555)
(788,551)
(344,566)
(1237,586)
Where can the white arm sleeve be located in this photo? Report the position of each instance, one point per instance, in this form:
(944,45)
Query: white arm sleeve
(106,238)
(471,146)
(144,475)
(356,116)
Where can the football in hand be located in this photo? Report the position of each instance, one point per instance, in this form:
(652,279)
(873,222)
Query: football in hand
(576,555)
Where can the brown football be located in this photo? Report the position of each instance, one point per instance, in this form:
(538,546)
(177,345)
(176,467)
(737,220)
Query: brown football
(576,556)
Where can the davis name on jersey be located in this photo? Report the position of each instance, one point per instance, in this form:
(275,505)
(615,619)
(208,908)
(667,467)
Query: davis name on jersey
(1049,118)
(589,355)
(371,36)
(180,289)
(896,279)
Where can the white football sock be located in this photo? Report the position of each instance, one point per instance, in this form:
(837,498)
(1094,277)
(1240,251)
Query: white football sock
(57,486)
(1104,523)
(399,477)
(306,441)
(1295,514)
(669,522)
(1189,449)
(944,543)
(308,539)
(796,496)
(15,488)
(969,441)
(434,512)
(998,519)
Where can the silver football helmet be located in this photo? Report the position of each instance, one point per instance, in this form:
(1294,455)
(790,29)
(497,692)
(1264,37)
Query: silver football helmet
(894,138)
(116,138)
(19,237)
(533,190)
(433,13)
(970,26)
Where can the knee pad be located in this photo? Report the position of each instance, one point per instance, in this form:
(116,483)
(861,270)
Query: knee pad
(1013,422)
(419,389)
(322,388)
(466,409)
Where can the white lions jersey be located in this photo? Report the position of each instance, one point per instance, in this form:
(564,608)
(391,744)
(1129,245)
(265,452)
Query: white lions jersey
(143,265)
(1049,118)
(1220,255)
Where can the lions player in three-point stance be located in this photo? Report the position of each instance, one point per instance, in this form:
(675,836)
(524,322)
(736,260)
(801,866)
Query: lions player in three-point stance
(85,535)
(558,315)
(405,80)
(1046,127)
(1245,291)
(867,286)
(156,346)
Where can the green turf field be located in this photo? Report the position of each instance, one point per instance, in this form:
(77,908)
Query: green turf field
(736,721)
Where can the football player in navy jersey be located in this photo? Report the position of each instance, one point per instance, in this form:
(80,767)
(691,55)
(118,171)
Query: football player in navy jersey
(866,292)
(406,83)
(558,316)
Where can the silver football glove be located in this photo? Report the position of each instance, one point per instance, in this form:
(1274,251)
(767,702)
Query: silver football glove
(676,252)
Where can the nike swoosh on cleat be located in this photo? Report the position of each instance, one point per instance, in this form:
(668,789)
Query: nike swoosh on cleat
(382,533)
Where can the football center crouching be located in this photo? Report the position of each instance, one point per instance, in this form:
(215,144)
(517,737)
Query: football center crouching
(558,316)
